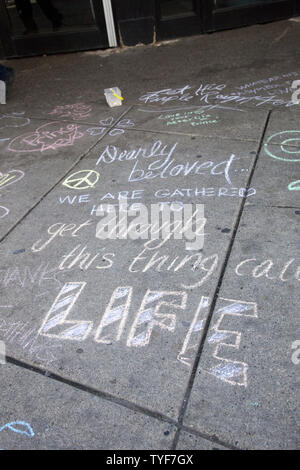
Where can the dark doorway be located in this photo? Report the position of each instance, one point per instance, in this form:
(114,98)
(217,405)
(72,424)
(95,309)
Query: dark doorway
(177,18)
(225,14)
(31,27)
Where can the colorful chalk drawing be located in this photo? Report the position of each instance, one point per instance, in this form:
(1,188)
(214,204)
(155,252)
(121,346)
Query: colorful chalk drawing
(150,316)
(158,309)
(287,138)
(3,212)
(229,370)
(10,177)
(61,307)
(87,179)
(105,123)
(263,268)
(294,186)
(191,342)
(19,427)
(116,311)
(24,336)
(193,118)
(50,136)
(13,120)
(290,154)
(7,179)
(277,90)
(73,111)
(24,428)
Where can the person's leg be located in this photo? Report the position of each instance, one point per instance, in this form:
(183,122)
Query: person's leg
(3,73)
(7,75)
(50,12)
(24,9)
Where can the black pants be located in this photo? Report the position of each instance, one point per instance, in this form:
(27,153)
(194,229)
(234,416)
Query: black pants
(3,73)
(24,8)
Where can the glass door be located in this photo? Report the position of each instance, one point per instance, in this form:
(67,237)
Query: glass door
(224,14)
(176,18)
(31,27)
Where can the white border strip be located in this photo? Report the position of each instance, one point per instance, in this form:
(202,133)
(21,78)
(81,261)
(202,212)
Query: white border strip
(110,25)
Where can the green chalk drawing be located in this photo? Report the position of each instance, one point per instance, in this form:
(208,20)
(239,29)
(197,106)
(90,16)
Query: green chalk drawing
(294,186)
(287,140)
(194,118)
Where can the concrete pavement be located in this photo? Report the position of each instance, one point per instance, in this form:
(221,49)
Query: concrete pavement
(127,344)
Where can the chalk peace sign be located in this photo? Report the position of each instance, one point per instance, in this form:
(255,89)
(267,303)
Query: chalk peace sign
(289,146)
(82,179)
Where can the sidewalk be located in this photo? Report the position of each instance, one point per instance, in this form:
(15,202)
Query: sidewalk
(125,344)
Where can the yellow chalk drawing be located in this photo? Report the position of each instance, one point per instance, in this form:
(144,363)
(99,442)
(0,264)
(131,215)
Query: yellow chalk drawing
(88,179)
(4,179)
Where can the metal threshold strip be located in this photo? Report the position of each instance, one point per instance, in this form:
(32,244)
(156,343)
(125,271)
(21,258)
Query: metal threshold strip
(110,25)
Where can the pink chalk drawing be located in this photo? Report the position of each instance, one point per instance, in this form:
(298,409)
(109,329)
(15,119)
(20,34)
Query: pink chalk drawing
(50,136)
(72,111)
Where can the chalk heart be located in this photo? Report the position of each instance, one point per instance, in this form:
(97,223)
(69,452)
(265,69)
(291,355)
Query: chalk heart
(11,177)
(49,136)
(126,123)
(96,130)
(107,122)
(114,132)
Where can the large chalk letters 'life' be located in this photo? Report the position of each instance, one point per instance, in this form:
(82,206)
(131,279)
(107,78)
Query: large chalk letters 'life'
(55,320)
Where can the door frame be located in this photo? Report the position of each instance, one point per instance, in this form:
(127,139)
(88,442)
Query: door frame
(110,23)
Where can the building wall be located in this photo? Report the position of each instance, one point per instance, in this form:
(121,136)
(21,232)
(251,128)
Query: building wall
(137,21)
